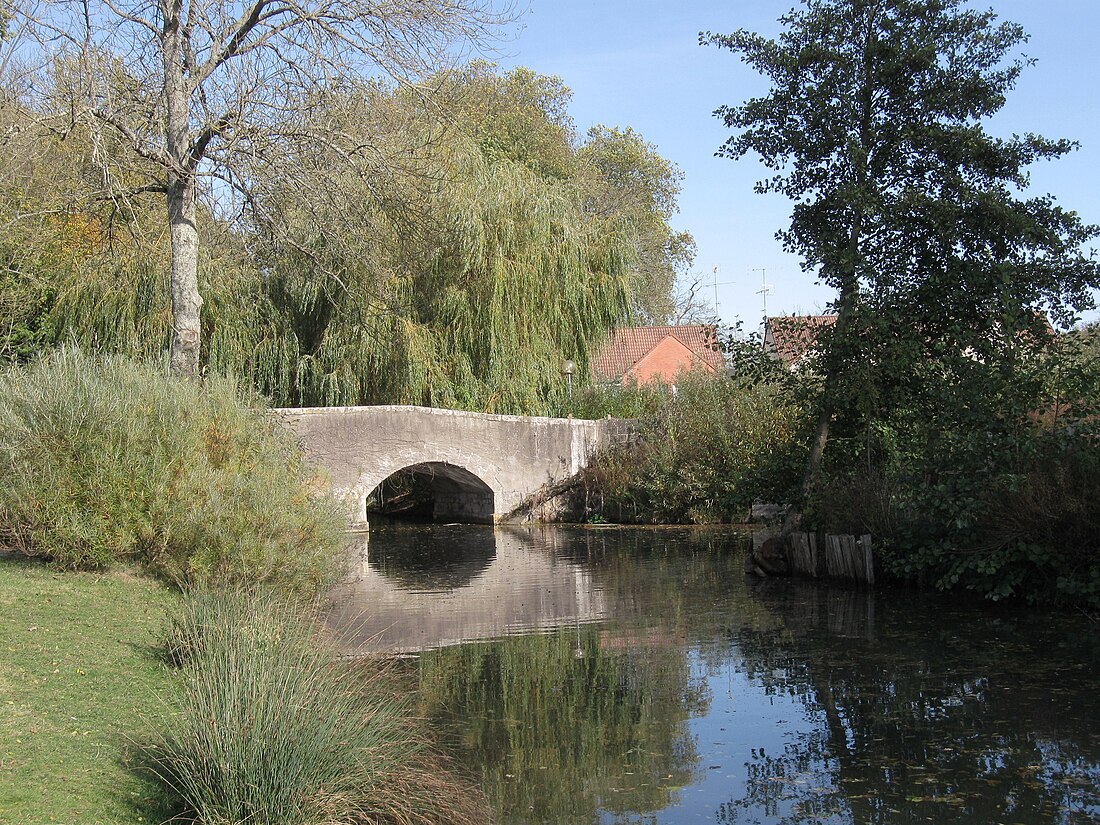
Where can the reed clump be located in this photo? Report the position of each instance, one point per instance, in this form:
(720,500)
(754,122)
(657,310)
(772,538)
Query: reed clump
(105,460)
(269,726)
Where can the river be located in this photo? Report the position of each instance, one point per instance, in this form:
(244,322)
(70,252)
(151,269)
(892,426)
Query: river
(632,675)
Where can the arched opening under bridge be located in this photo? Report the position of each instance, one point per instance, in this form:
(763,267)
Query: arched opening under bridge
(433,492)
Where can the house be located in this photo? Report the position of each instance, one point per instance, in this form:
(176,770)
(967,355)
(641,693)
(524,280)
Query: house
(793,338)
(647,354)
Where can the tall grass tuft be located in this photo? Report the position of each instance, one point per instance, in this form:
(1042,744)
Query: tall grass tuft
(103,460)
(270,727)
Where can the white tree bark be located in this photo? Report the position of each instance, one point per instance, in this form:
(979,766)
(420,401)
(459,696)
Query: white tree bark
(184,353)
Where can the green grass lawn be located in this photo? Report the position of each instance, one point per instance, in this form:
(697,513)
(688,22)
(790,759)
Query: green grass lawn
(79,681)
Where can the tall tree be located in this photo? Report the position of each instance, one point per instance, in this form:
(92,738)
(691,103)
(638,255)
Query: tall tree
(500,279)
(903,201)
(203,93)
(626,177)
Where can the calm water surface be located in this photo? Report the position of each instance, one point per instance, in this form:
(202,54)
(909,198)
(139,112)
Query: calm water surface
(637,676)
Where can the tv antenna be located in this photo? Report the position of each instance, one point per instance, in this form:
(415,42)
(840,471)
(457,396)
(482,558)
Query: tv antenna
(765,290)
(716,284)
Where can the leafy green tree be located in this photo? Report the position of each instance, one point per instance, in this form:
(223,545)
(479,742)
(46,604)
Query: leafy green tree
(202,94)
(522,116)
(519,115)
(904,203)
(624,176)
(468,275)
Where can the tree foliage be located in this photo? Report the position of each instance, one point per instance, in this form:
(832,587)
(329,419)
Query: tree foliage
(624,177)
(460,266)
(907,205)
(191,99)
(464,278)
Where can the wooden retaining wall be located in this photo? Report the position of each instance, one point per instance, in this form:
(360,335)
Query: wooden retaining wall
(844,557)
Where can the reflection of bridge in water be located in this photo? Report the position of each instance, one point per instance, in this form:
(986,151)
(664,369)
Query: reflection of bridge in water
(415,589)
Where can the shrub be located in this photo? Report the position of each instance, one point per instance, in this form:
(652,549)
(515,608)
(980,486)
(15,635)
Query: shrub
(630,400)
(271,727)
(1008,514)
(1037,530)
(711,449)
(106,460)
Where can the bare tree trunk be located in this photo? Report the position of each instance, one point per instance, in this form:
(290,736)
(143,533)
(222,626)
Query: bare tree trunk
(817,450)
(184,280)
(184,277)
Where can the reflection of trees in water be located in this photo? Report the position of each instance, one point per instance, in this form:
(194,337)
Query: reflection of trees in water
(918,710)
(432,558)
(924,715)
(665,576)
(563,736)
(565,727)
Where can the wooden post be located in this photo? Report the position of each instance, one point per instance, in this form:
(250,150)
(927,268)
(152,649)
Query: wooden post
(868,559)
(800,556)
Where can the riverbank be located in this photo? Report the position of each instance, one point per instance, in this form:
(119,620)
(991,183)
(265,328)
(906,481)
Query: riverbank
(110,682)
(210,692)
(80,677)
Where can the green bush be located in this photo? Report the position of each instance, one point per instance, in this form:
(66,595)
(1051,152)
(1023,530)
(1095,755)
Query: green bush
(271,727)
(1028,529)
(630,400)
(710,449)
(103,460)
(1001,514)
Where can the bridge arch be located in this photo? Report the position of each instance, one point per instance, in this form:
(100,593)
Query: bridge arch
(434,491)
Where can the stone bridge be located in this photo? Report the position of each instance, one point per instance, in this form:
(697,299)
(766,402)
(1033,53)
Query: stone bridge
(479,467)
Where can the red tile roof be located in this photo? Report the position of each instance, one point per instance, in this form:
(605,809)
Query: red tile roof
(791,337)
(629,345)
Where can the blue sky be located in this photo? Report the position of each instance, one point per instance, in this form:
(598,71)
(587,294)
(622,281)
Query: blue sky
(637,63)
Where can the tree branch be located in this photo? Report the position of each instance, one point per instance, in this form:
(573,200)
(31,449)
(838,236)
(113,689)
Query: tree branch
(225,49)
(139,146)
(132,18)
(155,188)
(199,144)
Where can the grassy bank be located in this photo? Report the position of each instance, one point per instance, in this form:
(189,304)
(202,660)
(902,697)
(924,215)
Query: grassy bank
(79,676)
(96,726)
(210,695)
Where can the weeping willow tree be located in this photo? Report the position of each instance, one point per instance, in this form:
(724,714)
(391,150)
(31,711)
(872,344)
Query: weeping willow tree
(460,265)
(463,276)
(504,280)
